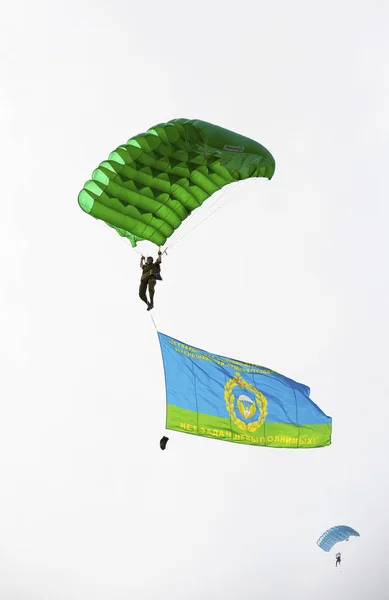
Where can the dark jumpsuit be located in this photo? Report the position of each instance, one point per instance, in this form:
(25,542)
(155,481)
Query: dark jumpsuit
(148,280)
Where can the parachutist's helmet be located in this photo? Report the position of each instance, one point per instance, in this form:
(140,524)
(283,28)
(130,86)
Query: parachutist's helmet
(150,259)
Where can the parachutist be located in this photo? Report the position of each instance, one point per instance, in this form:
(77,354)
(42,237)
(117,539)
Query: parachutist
(163,442)
(151,271)
(338,559)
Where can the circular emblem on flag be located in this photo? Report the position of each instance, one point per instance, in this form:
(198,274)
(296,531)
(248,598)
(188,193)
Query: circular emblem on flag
(247,410)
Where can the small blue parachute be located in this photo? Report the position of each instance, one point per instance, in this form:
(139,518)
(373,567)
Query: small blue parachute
(332,536)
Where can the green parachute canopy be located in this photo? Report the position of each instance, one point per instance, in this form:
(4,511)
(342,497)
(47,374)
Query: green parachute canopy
(151,184)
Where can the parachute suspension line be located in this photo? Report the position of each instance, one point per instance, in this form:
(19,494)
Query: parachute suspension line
(224,193)
(217,199)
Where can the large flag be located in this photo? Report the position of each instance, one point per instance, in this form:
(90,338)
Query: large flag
(218,397)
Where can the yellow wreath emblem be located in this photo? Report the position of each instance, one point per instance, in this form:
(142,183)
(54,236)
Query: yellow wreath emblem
(230,403)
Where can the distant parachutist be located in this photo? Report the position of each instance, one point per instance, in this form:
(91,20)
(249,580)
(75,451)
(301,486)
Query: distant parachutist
(334,535)
(164,440)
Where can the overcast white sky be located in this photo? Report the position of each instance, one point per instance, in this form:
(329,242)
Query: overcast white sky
(292,274)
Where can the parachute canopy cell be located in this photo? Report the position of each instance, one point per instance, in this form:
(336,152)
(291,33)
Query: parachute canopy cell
(336,534)
(151,184)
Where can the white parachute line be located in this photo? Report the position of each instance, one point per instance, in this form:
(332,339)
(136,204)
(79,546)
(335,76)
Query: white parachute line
(179,234)
(224,193)
(208,204)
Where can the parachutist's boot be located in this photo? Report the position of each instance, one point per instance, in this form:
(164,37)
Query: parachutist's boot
(150,306)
